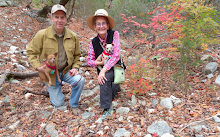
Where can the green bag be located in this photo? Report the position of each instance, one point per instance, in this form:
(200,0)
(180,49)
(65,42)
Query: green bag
(119,74)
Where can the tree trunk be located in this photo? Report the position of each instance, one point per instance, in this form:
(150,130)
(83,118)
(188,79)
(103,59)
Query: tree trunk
(71,13)
(64,2)
(43,13)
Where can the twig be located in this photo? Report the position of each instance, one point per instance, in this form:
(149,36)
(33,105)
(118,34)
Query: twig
(194,123)
(46,122)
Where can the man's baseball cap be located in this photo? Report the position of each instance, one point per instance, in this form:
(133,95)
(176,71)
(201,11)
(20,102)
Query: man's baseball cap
(57,7)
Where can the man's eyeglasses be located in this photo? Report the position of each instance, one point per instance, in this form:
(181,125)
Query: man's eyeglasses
(101,24)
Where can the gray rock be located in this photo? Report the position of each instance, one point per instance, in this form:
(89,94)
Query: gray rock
(148,135)
(216,118)
(154,102)
(41,19)
(133,100)
(21,68)
(5,44)
(197,127)
(99,121)
(24,41)
(6,99)
(123,110)
(14,81)
(167,135)
(50,128)
(12,40)
(8,29)
(12,49)
(167,103)
(210,76)
(87,115)
(210,68)
(46,114)
(175,100)
(13,126)
(160,127)
(217,80)
(122,132)
(206,58)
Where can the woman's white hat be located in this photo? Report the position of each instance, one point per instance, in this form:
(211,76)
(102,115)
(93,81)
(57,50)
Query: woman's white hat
(104,13)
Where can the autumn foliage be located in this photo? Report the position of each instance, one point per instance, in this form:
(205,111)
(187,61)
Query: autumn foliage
(185,26)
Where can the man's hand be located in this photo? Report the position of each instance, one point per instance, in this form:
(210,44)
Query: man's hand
(41,68)
(73,72)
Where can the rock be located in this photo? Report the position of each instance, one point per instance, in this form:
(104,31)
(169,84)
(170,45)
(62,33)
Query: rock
(206,58)
(123,110)
(46,114)
(167,135)
(167,103)
(217,80)
(130,117)
(12,49)
(50,128)
(148,135)
(21,68)
(13,126)
(14,81)
(175,100)
(100,133)
(133,100)
(160,127)
(121,118)
(216,118)
(87,73)
(82,59)
(142,102)
(28,95)
(154,102)
(210,68)
(122,132)
(99,121)
(6,99)
(210,76)
(87,115)
(197,127)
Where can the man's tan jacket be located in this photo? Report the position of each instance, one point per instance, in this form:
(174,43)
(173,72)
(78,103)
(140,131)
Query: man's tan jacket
(45,42)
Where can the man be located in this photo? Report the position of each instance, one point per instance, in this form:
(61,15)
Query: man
(57,38)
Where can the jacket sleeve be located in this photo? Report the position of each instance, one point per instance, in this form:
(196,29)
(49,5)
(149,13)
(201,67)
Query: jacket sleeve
(34,49)
(77,54)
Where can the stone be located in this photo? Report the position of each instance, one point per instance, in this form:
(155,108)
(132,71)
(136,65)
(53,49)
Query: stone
(160,127)
(133,100)
(217,80)
(167,103)
(50,128)
(122,132)
(13,126)
(87,115)
(210,68)
(167,135)
(123,110)
(175,100)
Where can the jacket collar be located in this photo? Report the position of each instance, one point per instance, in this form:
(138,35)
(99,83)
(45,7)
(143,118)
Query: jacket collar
(50,33)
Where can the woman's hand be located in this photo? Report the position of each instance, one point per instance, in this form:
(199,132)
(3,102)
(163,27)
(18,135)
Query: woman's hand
(73,72)
(100,63)
(101,77)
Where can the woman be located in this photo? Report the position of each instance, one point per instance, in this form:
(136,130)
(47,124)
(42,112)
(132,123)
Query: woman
(103,25)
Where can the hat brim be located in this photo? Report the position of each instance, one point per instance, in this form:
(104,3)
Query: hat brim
(110,20)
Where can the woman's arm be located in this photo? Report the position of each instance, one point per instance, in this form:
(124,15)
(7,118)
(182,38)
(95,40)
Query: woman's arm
(116,52)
